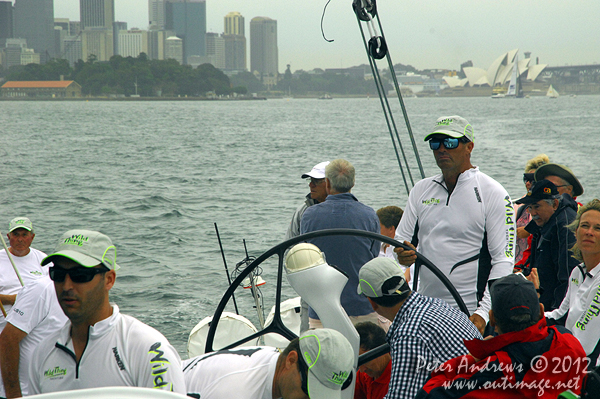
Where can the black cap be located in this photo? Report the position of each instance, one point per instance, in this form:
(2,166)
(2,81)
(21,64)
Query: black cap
(542,189)
(514,295)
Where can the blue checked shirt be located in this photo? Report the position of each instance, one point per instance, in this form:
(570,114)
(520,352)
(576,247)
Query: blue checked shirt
(425,333)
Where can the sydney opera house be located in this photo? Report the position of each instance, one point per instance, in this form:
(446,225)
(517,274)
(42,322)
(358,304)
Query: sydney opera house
(496,78)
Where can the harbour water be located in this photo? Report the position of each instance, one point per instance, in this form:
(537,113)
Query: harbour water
(156,176)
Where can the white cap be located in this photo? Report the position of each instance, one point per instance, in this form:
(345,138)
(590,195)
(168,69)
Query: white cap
(375,273)
(318,171)
(88,248)
(20,223)
(330,360)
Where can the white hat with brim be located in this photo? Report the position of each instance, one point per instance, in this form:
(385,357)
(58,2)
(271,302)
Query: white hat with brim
(20,223)
(88,248)
(330,360)
(317,172)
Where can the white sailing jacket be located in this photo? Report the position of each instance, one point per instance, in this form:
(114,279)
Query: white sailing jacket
(469,235)
(121,351)
(582,303)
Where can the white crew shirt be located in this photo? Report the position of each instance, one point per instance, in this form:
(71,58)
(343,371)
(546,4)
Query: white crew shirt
(121,351)
(451,232)
(29,267)
(37,313)
(242,373)
(582,302)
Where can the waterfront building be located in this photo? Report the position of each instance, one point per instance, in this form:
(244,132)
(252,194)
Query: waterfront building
(263,49)
(97,42)
(133,42)
(75,28)
(156,14)
(6,21)
(187,18)
(54,89)
(34,21)
(117,27)
(64,24)
(174,49)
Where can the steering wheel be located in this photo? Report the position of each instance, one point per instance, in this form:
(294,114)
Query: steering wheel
(277,325)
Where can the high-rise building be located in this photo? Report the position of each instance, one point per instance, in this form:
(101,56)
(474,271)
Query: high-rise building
(187,18)
(156,14)
(263,48)
(34,21)
(11,55)
(215,50)
(72,49)
(6,21)
(117,27)
(234,24)
(174,49)
(64,24)
(97,42)
(133,42)
(235,53)
(97,13)
(234,41)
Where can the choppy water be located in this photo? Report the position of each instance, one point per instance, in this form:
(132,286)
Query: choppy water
(156,176)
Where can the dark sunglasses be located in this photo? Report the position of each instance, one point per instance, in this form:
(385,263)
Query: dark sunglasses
(528,177)
(315,181)
(77,275)
(449,142)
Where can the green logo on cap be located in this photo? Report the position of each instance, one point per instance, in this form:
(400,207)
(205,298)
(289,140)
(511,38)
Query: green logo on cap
(339,378)
(445,122)
(76,240)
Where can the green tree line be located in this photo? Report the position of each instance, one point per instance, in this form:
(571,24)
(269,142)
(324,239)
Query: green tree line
(121,75)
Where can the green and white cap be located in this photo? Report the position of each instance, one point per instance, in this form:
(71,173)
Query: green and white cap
(88,248)
(375,273)
(330,360)
(453,126)
(20,223)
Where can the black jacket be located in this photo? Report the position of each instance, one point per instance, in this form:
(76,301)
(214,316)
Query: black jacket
(551,254)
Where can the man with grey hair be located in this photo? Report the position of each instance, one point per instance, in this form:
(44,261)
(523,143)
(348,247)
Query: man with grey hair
(341,209)
(26,259)
(551,240)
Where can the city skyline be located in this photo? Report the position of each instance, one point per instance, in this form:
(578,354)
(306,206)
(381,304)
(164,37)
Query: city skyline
(434,34)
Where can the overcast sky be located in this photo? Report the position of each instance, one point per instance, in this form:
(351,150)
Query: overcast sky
(422,33)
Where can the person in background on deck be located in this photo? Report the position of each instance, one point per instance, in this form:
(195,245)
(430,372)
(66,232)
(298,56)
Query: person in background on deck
(425,332)
(342,209)
(462,220)
(316,365)
(373,377)
(389,218)
(526,359)
(27,260)
(99,347)
(581,303)
(36,315)
(522,216)
(551,240)
(317,195)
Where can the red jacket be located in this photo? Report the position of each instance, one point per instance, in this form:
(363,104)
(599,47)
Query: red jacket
(538,362)
(368,388)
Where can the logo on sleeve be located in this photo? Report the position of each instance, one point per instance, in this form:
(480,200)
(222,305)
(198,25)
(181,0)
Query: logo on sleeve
(160,367)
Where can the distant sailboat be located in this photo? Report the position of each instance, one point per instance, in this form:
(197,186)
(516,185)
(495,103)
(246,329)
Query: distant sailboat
(514,87)
(552,93)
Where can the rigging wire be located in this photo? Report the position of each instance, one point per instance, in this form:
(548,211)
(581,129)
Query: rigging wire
(322,18)
(376,48)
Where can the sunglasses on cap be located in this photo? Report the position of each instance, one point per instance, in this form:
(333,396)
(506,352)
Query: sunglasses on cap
(450,143)
(528,177)
(77,274)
